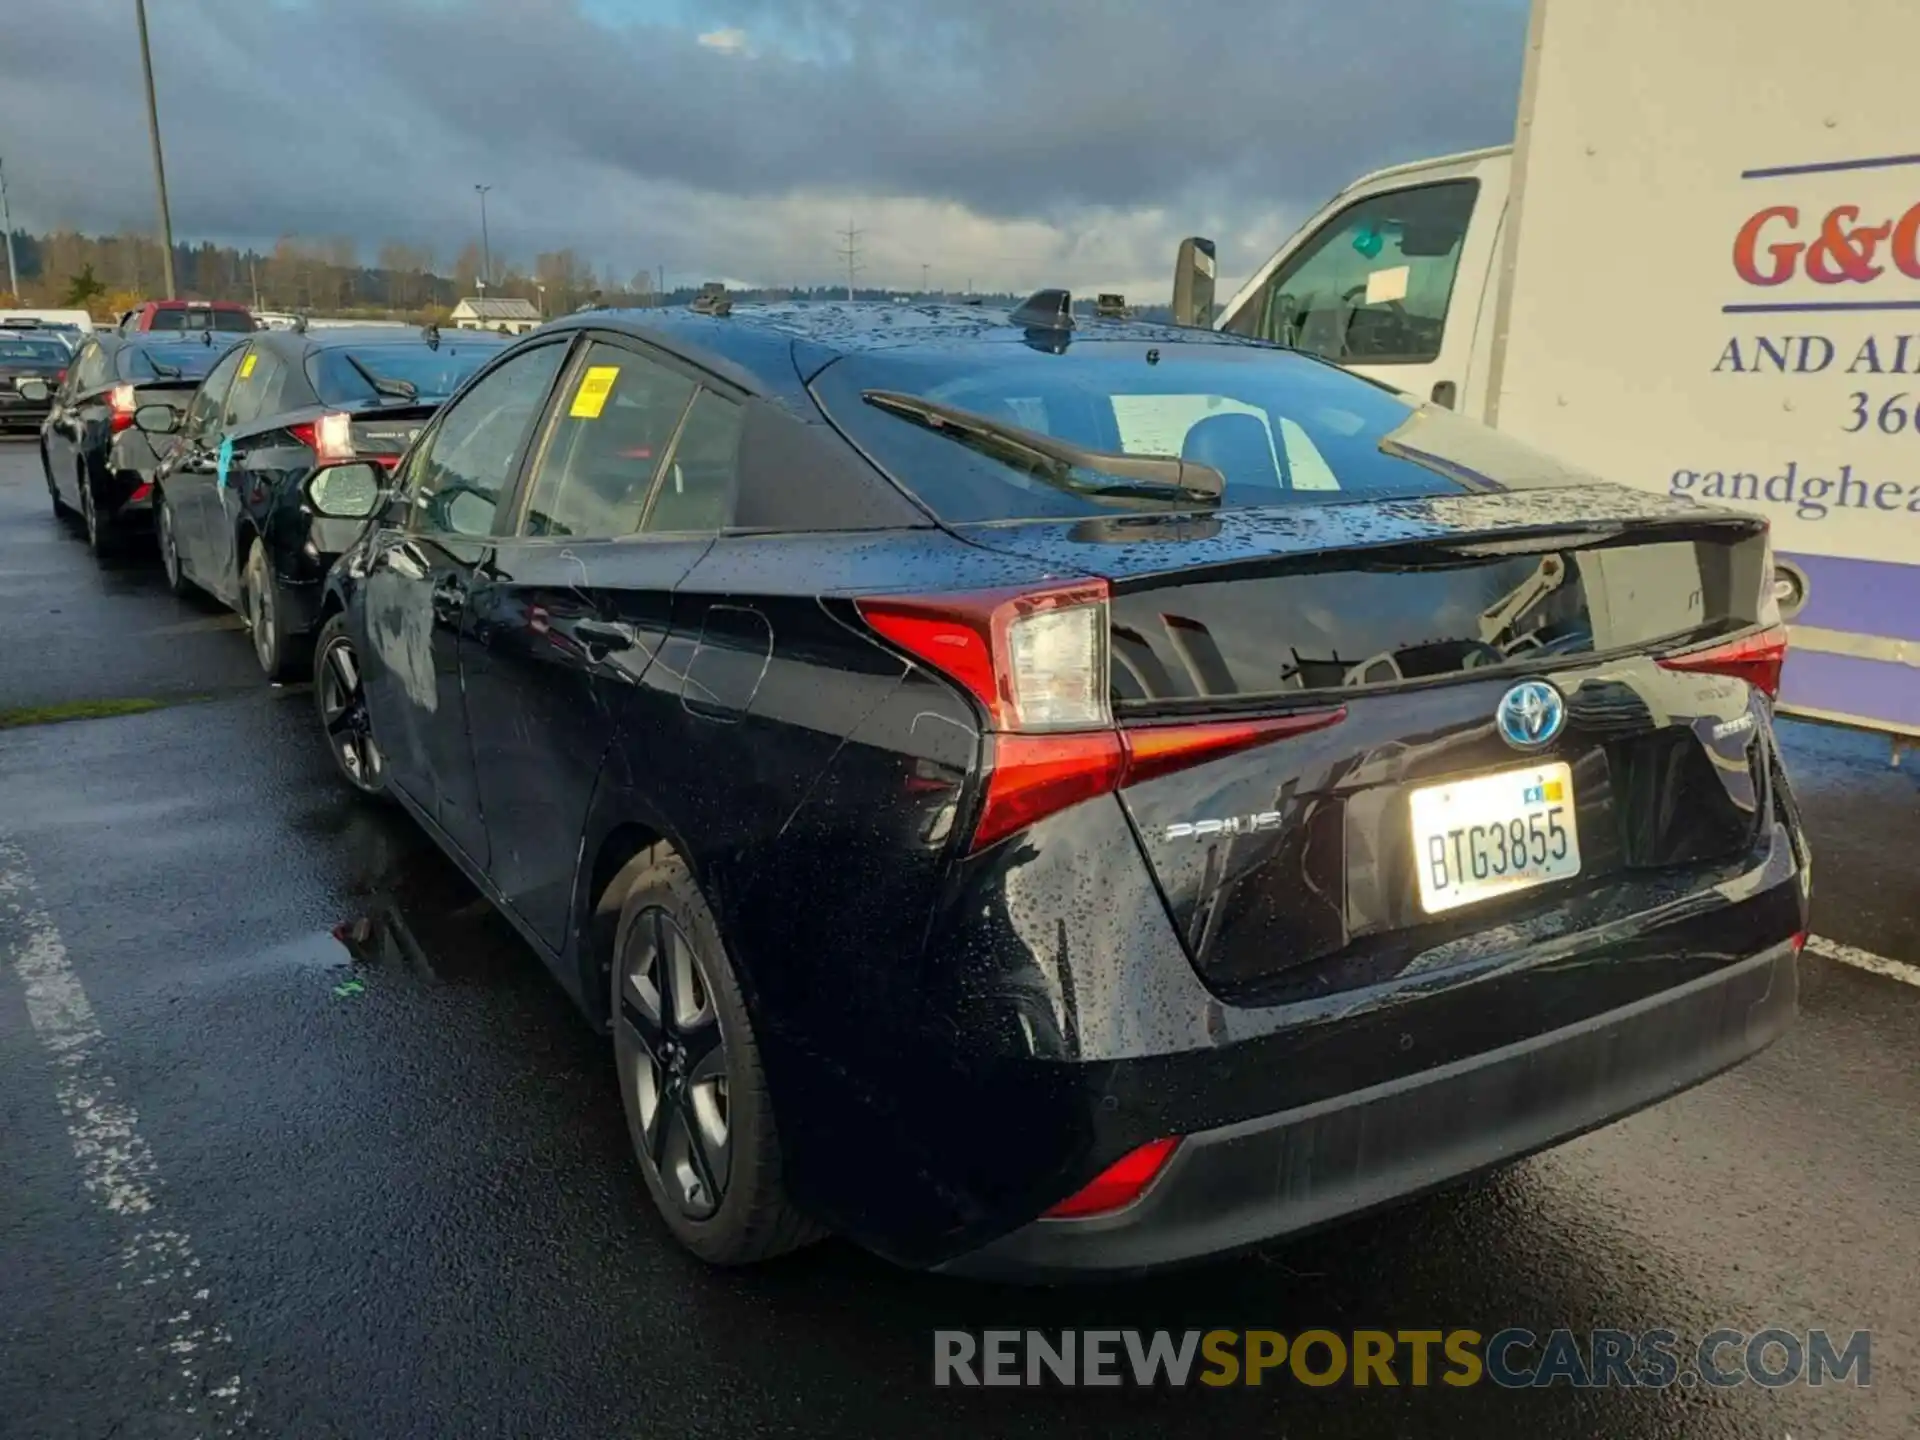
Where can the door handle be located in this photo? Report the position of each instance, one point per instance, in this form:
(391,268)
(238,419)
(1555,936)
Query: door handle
(449,599)
(602,637)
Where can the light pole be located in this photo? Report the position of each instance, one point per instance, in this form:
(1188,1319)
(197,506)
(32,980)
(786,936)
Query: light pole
(159,164)
(6,223)
(486,249)
(543,298)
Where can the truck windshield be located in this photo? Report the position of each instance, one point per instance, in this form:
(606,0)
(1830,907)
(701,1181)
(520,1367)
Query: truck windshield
(1280,428)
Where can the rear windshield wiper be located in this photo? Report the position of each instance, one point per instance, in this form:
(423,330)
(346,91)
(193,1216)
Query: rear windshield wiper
(164,370)
(1096,474)
(385,384)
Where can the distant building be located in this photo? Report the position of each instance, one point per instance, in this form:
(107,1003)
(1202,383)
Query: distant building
(515,317)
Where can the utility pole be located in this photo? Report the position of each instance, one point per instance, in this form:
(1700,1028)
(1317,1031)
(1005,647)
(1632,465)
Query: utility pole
(486,248)
(253,278)
(6,223)
(159,164)
(850,252)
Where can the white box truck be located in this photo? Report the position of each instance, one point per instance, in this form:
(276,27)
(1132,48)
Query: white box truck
(1696,270)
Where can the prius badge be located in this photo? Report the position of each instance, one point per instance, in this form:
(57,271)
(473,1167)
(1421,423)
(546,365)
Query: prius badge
(1530,715)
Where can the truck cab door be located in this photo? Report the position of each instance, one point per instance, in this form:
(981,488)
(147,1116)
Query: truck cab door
(1388,280)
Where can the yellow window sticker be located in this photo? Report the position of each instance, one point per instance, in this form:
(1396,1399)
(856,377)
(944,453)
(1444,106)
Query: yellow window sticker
(591,398)
(246,365)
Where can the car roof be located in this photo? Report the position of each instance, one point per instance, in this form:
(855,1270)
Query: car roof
(335,337)
(768,346)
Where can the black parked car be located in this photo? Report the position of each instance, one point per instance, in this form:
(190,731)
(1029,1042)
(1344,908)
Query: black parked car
(1041,800)
(97,463)
(40,360)
(243,510)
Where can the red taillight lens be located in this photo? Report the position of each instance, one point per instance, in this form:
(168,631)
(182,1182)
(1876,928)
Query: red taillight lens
(1155,750)
(1754,658)
(1034,659)
(124,403)
(59,377)
(1037,662)
(1035,776)
(330,437)
(1120,1184)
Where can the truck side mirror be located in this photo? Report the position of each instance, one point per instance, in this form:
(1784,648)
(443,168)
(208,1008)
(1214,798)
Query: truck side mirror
(1193,275)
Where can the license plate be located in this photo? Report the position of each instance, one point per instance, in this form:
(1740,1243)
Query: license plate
(1493,835)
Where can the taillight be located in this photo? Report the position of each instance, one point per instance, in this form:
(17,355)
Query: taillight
(1119,1185)
(59,377)
(124,403)
(1754,658)
(330,437)
(1037,663)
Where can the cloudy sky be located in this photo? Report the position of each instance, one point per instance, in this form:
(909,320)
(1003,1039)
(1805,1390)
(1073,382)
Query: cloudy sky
(1012,143)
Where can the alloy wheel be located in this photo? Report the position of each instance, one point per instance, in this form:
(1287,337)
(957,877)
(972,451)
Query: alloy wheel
(169,548)
(680,1078)
(343,708)
(260,611)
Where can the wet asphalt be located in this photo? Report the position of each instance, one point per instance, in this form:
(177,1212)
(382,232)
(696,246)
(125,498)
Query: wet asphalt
(389,1193)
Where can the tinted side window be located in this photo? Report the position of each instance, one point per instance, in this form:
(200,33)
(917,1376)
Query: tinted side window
(1372,285)
(468,465)
(259,370)
(702,475)
(210,398)
(91,370)
(617,419)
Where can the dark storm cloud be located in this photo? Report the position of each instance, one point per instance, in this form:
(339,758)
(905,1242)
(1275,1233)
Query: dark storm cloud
(374,117)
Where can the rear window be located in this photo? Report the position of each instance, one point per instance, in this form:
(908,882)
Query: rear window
(225,322)
(1281,428)
(436,374)
(22,351)
(170,362)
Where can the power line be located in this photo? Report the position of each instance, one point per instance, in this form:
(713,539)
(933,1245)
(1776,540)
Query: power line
(850,252)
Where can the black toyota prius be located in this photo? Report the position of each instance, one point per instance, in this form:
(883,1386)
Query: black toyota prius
(1043,797)
(272,467)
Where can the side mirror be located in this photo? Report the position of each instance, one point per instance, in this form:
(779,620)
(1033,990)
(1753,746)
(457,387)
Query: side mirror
(35,390)
(156,419)
(1193,276)
(346,492)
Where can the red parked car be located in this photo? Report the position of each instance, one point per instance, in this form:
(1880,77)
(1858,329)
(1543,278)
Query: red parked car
(224,317)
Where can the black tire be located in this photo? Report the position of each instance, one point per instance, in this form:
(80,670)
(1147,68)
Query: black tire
(282,653)
(663,923)
(61,510)
(101,540)
(339,698)
(169,543)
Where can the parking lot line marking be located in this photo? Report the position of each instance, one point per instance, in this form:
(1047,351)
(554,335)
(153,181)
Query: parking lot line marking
(116,1166)
(1864,960)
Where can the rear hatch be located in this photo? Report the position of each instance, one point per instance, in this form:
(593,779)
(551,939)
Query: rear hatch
(1402,816)
(385,432)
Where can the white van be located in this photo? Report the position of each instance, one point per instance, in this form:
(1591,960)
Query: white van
(1696,270)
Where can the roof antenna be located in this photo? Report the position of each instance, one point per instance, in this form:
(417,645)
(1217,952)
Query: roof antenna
(206,337)
(431,334)
(300,323)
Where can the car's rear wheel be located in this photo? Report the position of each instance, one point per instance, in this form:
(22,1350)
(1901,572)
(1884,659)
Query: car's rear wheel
(100,540)
(698,1112)
(339,694)
(169,542)
(274,645)
(61,510)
